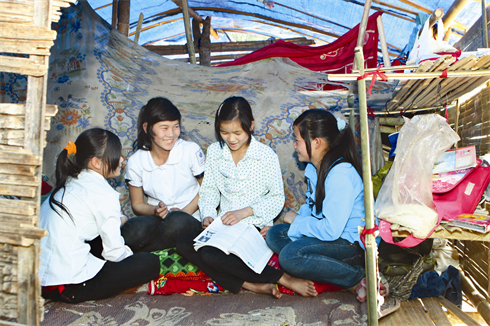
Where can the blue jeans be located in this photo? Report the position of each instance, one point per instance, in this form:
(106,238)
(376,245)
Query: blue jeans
(336,262)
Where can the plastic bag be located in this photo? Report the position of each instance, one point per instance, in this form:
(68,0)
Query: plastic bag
(425,43)
(405,198)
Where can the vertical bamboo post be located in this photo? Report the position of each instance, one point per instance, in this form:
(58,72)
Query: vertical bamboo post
(188,34)
(371,266)
(138,28)
(362,28)
(484,24)
(124,8)
(456,119)
(382,40)
(114,13)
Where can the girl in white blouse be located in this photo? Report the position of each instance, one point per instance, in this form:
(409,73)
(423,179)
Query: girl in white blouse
(168,171)
(84,207)
(243,178)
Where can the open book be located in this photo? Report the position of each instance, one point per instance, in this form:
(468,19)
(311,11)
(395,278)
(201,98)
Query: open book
(241,239)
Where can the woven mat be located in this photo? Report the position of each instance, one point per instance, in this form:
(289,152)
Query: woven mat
(245,308)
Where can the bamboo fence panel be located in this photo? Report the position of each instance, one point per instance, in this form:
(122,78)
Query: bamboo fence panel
(25,41)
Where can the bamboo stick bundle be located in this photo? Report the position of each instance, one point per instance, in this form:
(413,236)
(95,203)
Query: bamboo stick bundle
(436,86)
(439,66)
(424,67)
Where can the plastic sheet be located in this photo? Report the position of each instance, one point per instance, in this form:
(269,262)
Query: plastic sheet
(405,198)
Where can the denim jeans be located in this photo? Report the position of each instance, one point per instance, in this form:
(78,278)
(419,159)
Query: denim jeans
(336,262)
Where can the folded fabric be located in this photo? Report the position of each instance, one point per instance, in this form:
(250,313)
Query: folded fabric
(178,275)
(430,284)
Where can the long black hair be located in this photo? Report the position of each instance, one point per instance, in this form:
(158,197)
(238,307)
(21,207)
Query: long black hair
(95,142)
(232,108)
(317,123)
(157,109)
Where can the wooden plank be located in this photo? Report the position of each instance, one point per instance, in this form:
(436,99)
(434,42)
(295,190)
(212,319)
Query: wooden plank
(13,179)
(25,231)
(222,46)
(15,239)
(445,234)
(16,19)
(22,32)
(11,7)
(21,191)
(20,109)
(17,220)
(22,66)
(25,46)
(25,284)
(18,122)
(12,137)
(19,157)
(411,313)
(458,312)
(18,169)
(435,312)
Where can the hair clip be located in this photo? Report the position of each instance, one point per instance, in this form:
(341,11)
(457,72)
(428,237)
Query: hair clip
(341,123)
(71,148)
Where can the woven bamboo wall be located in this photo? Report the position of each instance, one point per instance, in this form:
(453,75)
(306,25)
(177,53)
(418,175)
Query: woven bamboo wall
(25,40)
(471,120)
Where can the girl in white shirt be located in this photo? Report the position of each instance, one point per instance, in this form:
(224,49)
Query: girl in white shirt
(83,207)
(168,171)
(243,178)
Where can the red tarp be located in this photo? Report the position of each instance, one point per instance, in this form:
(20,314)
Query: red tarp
(333,58)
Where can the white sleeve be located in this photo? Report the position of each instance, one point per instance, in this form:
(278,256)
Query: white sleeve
(107,212)
(197,160)
(112,241)
(134,171)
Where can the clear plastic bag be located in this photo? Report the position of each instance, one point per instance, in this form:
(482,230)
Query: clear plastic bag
(405,198)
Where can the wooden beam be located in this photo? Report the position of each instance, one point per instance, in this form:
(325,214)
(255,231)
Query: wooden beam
(221,47)
(386,4)
(205,48)
(188,32)
(458,312)
(114,13)
(123,12)
(199,19)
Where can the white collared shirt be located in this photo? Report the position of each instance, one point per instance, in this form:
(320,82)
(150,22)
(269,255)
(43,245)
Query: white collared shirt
(95,208)
(256,182)
(174,182)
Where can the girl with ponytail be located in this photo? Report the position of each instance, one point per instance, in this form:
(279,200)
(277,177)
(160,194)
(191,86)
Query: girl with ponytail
(321,241)
(84,208)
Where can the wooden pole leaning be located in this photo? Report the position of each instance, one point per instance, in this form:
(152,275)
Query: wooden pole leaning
(371,249)
(188,32)
(382,40)
(363,27)
(138,28)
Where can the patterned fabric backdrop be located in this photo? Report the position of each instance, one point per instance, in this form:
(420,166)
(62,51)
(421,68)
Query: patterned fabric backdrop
(100,78)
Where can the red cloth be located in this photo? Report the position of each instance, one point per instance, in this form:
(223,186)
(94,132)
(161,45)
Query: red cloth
(334,58)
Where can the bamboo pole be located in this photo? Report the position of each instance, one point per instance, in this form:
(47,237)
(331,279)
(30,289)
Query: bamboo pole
(422,75)
(362,29)
(450,16)
(198,18)
(382,40)
(475,297)
(138,28)
(371,249)
(188,32)
(484,24)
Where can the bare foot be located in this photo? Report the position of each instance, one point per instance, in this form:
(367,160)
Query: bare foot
(305,288)
(264,288)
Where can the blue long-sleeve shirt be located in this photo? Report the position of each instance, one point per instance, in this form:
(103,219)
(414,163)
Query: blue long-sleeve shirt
(342,210)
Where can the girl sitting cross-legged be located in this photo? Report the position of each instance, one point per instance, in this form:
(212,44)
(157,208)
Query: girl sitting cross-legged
(321,241)
(82,208)
(168,171)
(243,178)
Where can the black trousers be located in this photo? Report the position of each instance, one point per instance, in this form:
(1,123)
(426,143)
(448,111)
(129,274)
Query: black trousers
(229,271)
(113,278)
(151,233)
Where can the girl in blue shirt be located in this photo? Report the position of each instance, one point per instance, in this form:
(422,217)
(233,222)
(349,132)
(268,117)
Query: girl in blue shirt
(321,241)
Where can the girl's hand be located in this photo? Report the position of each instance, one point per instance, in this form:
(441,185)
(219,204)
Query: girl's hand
(233,217)
(161,210)
(207,221)
(124,219)
(264,230)
(289,217)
